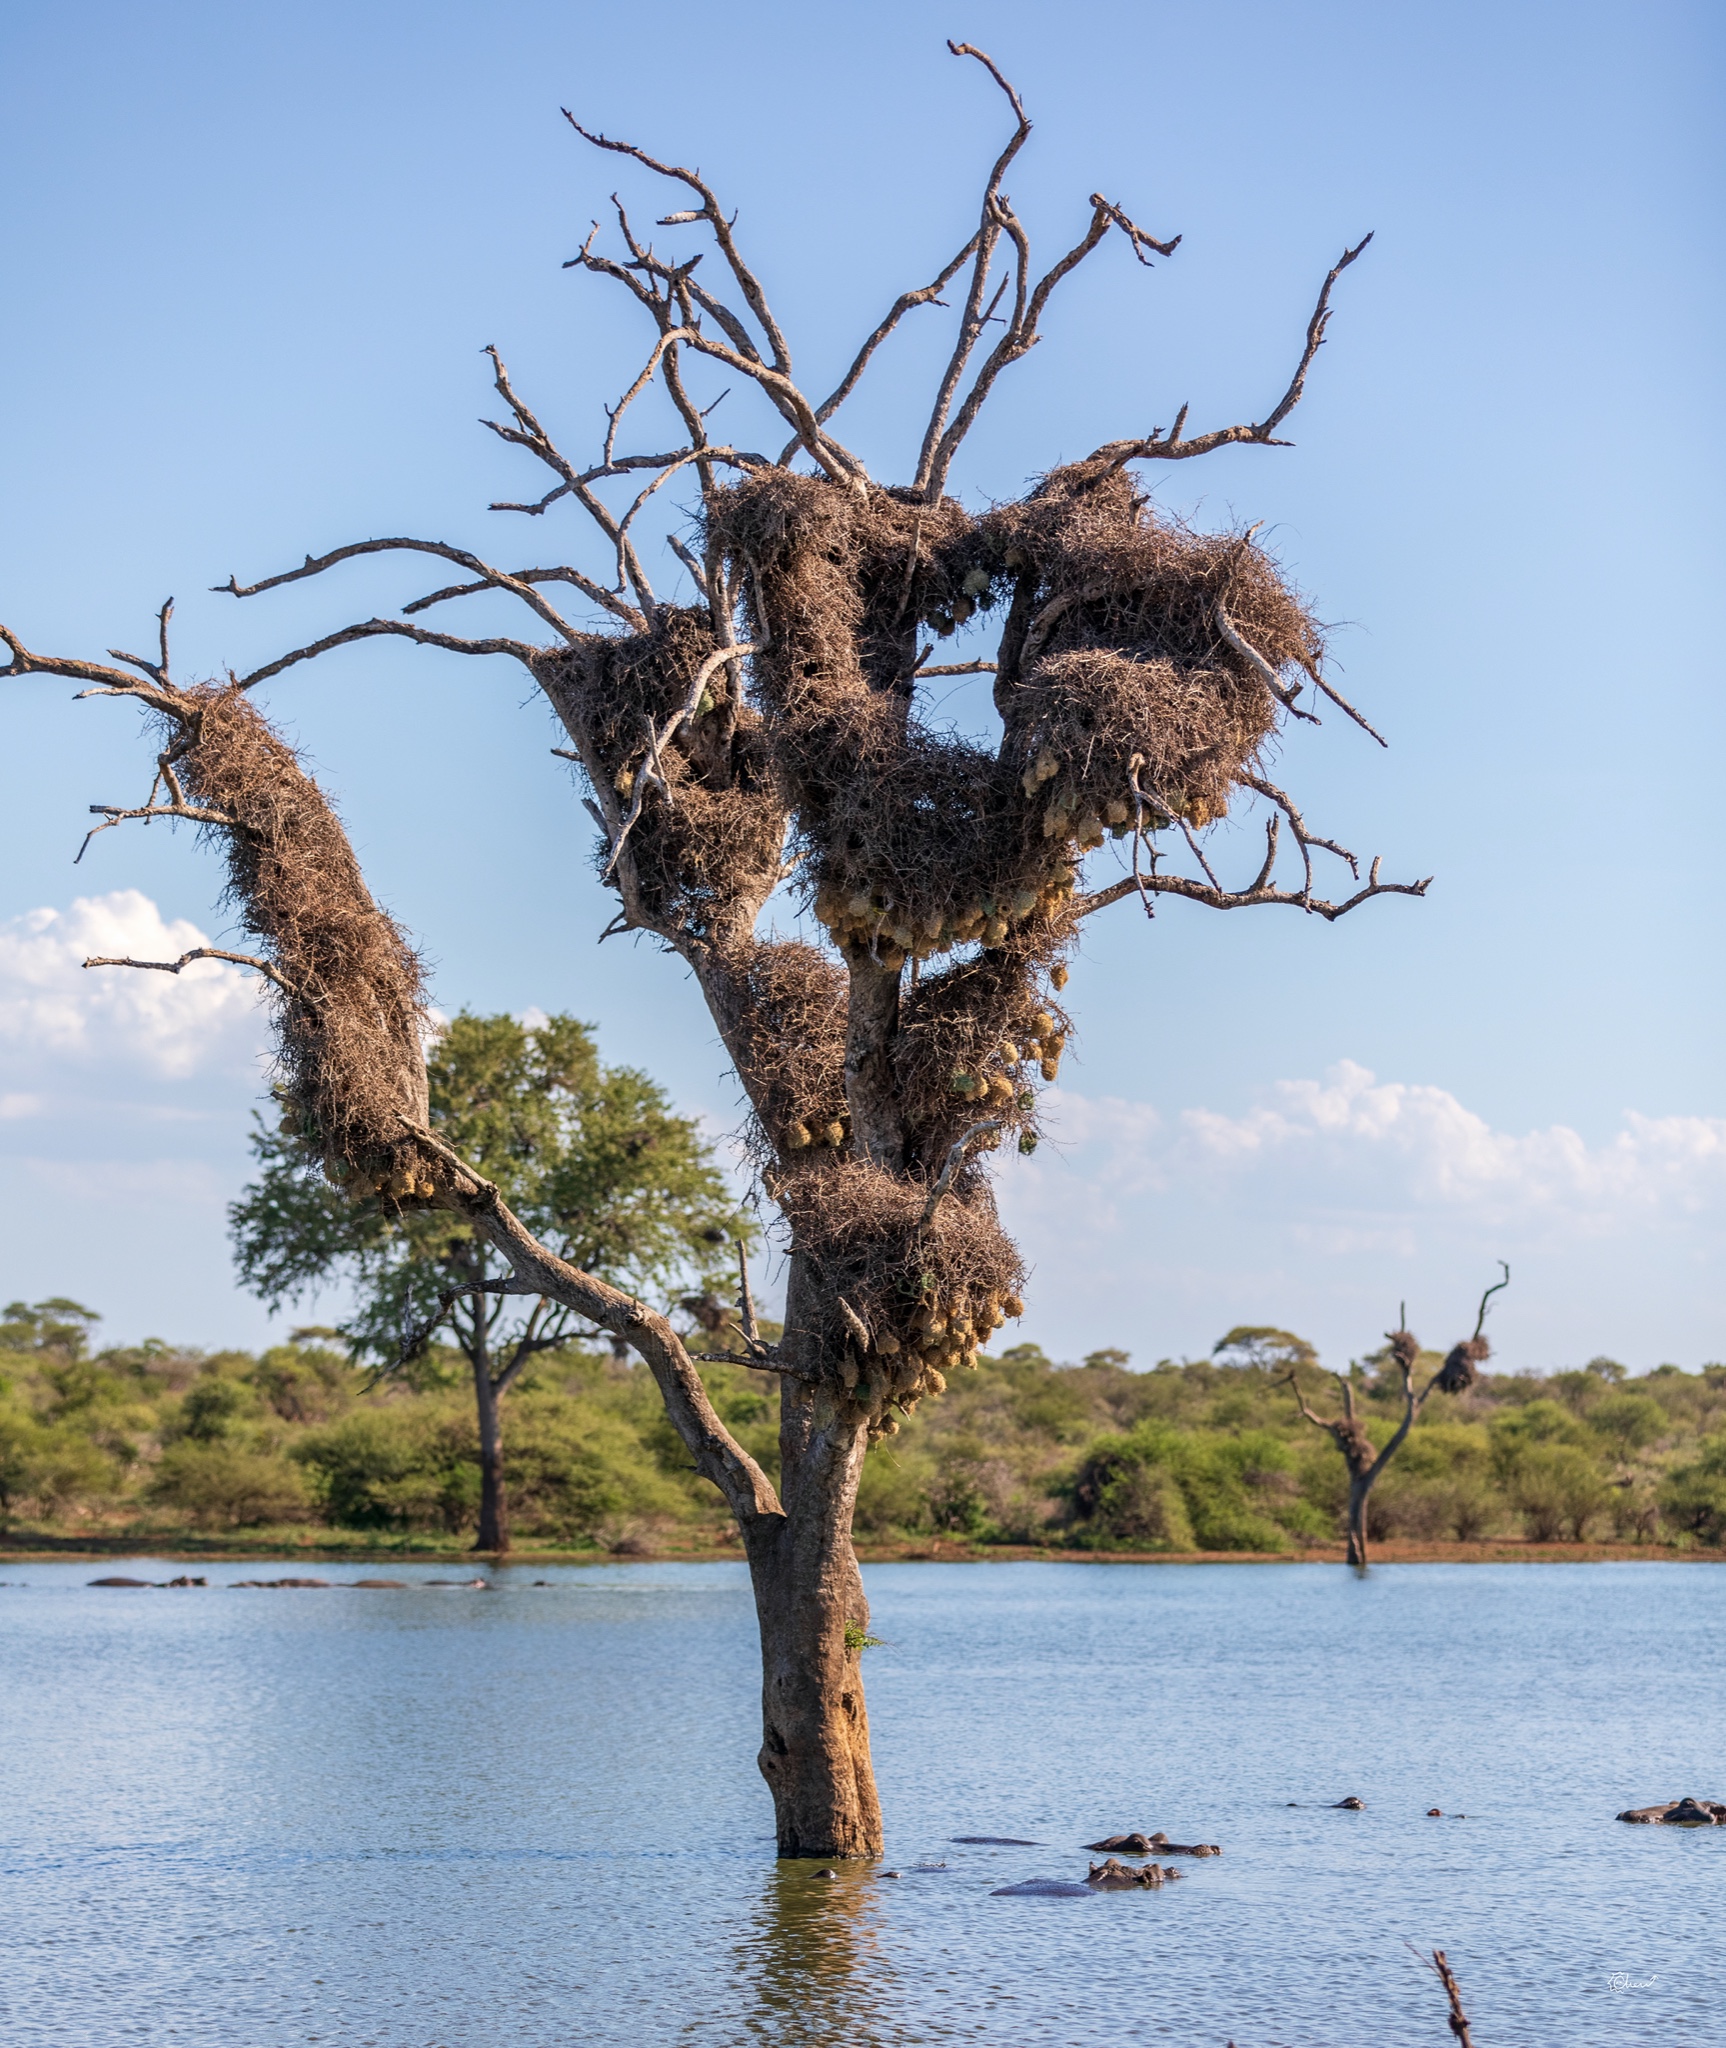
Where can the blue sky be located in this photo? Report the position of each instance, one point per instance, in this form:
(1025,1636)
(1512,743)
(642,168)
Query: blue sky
(254,255)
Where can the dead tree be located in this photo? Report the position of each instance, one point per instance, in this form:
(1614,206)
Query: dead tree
(1347,1431)
(768,731)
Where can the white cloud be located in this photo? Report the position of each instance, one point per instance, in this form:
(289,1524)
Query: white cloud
(56,1013)
(1332,1198)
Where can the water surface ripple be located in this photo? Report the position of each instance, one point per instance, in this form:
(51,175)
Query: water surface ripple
(530,1817)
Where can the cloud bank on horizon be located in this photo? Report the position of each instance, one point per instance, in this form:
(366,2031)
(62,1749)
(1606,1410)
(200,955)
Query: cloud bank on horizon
(1331,1200)
(125,1097)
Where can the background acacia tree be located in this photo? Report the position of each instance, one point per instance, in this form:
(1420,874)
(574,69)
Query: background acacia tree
(590,1157)
(768,731)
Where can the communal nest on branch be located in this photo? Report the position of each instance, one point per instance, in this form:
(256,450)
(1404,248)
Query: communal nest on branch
(706,844)
(975,1036)
(787,1031)
(916,841)
(351,1013)
(1130,656)
(1140,679)
(907,1297)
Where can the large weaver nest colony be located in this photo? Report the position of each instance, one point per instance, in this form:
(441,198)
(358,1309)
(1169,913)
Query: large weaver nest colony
(1127,702)
(350,1009)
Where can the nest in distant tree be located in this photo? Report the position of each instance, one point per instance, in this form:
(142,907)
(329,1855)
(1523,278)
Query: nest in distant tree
(351,1013)
(1404,1349)
(1462,1364)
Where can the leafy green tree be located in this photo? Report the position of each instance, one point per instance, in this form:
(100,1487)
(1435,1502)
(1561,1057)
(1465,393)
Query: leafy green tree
(590,1157)
(1694,1496)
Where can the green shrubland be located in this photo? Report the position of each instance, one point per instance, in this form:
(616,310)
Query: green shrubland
(302,1443)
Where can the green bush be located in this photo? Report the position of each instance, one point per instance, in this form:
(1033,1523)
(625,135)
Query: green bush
(51,1468)
(211,1409)
(1628,1422)
(219,1485)
(407,1466)
(577,1474)
(1158,1488)
(1694,1496)
(1558,1489)
(895,1493)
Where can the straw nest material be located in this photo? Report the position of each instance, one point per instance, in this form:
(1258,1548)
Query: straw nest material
(788,1036)
(707,844)
(923,1296)
(350,1020)
(1116,667)
(1119,647)
(976,1036)
(914,841)
(1461,1367)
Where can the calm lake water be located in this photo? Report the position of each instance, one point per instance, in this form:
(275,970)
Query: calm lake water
(440,1818)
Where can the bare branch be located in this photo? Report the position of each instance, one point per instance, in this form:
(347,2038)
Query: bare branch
(486,1190)
(110,681)
(746,1300)
(983,243)
(1293,1384)
(497,579)
(1245,899)
(930,294)
(1172,447)
(529,434)
(595,592)
(116,814)
(624,465)
(198,953)
(369,628)
(156,670)
(1342,703)
(1304,839)
(1497,1287)
(708,211)
(717,1454)
(1022,329)
(955,1159)
(1440,1968)
(960,668)
(1262,668)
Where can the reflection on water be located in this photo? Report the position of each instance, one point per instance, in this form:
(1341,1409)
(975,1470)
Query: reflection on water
(809,1966)
(436,1818)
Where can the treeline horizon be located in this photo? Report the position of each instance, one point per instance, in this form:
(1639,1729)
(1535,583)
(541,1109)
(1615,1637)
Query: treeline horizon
(1181,1456)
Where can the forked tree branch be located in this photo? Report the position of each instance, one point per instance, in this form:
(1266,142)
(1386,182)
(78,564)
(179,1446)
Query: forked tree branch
(263,967)
(1260,667)
(955,1159)
(717,1454)
(369,628)
(1175,447)
(1497,1287)
(494,579)
(1246,899)
(709,211)
(929,294)
(117,814)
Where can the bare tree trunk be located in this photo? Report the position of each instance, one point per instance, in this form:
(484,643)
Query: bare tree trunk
(813,1618)
(1359,1491)
(493,1502)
